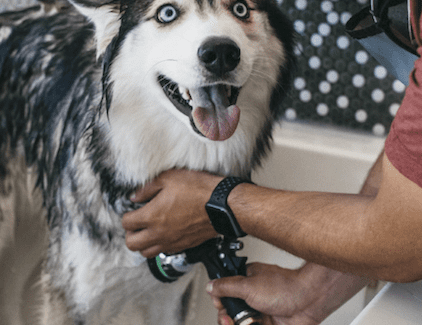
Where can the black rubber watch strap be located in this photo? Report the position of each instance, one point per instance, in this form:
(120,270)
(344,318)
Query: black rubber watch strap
(219,212)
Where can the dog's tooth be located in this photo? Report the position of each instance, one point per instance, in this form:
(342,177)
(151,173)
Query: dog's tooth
(191,102)
(185,93)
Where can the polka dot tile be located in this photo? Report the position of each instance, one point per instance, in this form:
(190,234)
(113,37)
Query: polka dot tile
(301,4)
(299,26)
(337,82)
(290,114)
(322,109)
(327,6)
(333,76)
(378,129)
(324,29)
(361,57)
(299,83)
(393,108)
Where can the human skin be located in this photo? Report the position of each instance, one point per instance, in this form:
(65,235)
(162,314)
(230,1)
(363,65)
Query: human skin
(373,236)
(305,296)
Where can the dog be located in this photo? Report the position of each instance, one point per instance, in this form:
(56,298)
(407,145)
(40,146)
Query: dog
(98,97)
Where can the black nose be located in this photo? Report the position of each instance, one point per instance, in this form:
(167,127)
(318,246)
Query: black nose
(219,55)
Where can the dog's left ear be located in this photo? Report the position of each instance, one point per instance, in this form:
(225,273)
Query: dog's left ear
(105,15)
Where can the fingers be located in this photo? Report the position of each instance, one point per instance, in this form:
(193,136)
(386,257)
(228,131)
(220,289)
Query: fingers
(235,286)
(138,236)
(174,216)
(140,241)
(151,252)
(134,221)
(228,287)
(137,220)
(147,192)
(224,319)
(225,287)
(253,269)
(134,238)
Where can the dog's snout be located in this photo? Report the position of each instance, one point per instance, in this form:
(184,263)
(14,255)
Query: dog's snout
(219,55)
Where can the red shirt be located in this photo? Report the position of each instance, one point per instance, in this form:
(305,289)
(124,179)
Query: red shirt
(404,142)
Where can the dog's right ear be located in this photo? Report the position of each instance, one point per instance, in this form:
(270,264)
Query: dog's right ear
(105,15)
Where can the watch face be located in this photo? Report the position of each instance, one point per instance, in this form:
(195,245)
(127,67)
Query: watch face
(219,217)
(223,221)
(220,214)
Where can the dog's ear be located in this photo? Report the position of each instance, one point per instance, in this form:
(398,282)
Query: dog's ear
(105,15)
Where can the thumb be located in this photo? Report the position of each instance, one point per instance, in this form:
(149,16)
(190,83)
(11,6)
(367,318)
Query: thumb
(233,286)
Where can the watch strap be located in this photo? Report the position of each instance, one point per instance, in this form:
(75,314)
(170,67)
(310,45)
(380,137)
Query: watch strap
(219,212)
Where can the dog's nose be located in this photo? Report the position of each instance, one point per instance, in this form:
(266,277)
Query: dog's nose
(219,55)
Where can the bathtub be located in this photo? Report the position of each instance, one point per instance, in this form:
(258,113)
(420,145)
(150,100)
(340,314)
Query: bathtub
(308,158)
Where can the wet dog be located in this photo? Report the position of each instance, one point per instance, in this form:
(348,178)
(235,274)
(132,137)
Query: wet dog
(97,98)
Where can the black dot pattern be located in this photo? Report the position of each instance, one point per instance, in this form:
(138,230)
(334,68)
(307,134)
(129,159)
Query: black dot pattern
(221,216)
(337,82)
(221,192)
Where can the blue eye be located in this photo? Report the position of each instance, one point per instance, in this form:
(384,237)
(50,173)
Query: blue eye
(240,10)
(167,13)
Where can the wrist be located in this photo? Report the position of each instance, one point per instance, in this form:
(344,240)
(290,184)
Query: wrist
(220,214)
(329,289)
(249,207)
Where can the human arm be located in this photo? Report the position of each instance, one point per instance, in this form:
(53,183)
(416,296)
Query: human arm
(377,236)
(370,236)
(305,296)
(290,297)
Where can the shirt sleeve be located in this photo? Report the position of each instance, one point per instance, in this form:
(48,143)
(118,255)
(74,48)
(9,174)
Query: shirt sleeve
(404,142)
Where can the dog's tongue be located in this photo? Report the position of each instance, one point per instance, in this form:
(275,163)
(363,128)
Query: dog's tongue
(212,113)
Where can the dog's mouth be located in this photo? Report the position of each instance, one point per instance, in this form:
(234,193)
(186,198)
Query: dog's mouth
(212,109)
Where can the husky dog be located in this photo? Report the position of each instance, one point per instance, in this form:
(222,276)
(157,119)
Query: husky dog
(97,97)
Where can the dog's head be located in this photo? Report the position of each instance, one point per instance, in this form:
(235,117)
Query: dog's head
(207,57)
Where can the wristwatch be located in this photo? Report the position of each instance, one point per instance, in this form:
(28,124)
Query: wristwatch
(219,212)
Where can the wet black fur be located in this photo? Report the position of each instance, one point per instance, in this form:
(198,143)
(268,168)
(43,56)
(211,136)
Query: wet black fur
(31,116)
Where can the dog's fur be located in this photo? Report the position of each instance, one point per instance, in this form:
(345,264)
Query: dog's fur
(84,120)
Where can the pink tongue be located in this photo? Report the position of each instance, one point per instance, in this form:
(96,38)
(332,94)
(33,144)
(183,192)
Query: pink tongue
(212,113)
(216,124)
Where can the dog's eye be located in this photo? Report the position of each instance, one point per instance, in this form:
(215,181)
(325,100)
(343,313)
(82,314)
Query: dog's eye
(167,14)
(241,10)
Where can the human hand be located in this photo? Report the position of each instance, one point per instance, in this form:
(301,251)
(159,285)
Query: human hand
(281,295)
(174,217)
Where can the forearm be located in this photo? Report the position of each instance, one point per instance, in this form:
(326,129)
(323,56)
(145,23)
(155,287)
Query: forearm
(334,287)
(376,236)
(318,227)
(362,234)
